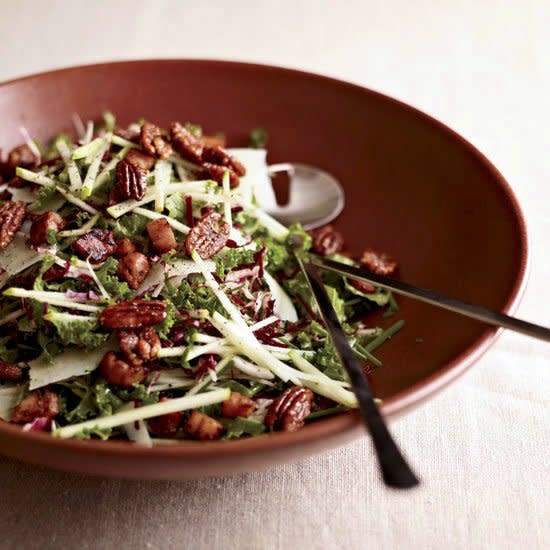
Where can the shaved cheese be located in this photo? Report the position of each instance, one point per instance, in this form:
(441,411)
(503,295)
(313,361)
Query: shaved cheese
(147,411)
(72,362)
(18,256)
(256,183)
(9,394)
(154,280)
(283,307)
(23,194)
(184,268)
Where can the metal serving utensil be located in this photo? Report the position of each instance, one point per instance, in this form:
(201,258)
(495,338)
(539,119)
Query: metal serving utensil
(395,470)
(315,197)
(480,313)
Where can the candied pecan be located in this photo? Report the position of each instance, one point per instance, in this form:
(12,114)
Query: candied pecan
(203,427)
(166,425)
(218,155)
(124,247)
(216,173)
(217,140)
(97,244)
(185,143)
(133,268)
(378,262)
(12,215)
(44,223)
(161,235)
(38,404)
(131,180)
(327,241)
(120,373)
(137,158)
(23,156)
(362,286)
(139,346)
(133,314)
(132,133)
(10,372)
(289,411)
(238,405)
(208,236)
(154,142)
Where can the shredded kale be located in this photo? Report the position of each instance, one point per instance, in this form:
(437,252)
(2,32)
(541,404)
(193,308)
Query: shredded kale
(242,426)
(80,332)
(112,284)
(231,259)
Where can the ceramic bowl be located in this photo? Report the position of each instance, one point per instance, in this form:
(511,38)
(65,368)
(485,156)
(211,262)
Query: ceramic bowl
(413,188)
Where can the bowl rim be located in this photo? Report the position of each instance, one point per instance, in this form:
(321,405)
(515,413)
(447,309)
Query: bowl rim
(331,426)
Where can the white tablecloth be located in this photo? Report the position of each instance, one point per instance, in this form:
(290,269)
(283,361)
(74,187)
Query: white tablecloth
(482,446)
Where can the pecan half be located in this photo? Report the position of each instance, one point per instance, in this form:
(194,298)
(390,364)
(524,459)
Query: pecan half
(208,236)
(118,372)
(166,425)
(327,241)
(185,143)
(133,314)
(238,405)
(133,268)
(124,247)
(203,427)
(38,404)
(12,215)
(10,372)
(154,142)
(289,411)
(23,156)
(162,235)
(378,262)
(218,155)
(132,133)
(49,221)
(97,245)
(216,173)
(139,346)
(131,180)
(137,158)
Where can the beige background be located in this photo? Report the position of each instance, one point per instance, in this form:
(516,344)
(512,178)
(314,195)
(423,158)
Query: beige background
(482,446)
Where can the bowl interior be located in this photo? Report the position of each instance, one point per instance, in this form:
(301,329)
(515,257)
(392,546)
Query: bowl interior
(413,187)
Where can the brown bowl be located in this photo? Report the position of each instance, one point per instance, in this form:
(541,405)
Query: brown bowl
(413,188)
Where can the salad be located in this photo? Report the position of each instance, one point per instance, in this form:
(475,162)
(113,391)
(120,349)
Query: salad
(146,295)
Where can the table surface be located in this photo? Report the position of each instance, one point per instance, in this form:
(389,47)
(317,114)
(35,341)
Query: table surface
(482,445)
